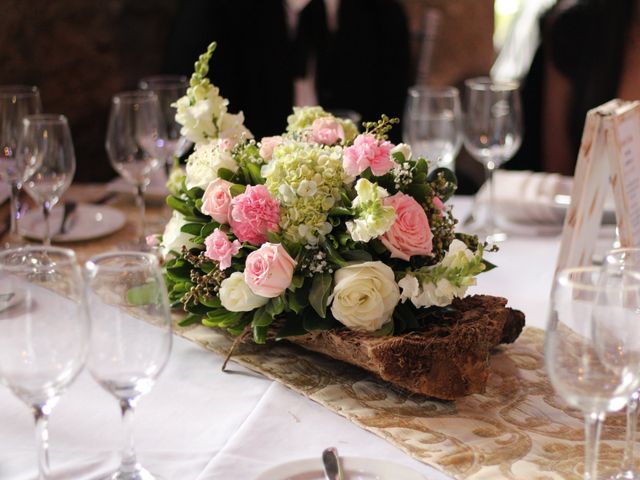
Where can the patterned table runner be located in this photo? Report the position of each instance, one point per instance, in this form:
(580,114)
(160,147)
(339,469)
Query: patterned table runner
(518,429)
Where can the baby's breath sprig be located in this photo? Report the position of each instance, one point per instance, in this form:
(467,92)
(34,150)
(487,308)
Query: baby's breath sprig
(381,128)
(314,261)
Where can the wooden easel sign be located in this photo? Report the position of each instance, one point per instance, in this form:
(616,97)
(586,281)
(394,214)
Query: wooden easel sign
(609,155)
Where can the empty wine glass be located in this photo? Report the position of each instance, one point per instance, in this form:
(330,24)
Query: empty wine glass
(16,102)
(135,143)
(47,161)
(629,259)
(168,89)
(43,331)
(592,345)
(432,124)
(130,336)
(492,134)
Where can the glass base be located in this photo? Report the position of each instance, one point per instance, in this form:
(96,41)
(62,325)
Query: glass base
(139,474)
(135,246)
(626,475)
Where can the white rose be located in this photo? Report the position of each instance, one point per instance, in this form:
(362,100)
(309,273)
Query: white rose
(404,149)
(173,238)
(364,296)
(236,296)
(203,164)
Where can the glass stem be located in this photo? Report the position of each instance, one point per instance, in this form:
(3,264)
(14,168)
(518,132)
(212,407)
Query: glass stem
(42,440)
(46,209)
(140,203)
(128,464)
(15,209)
(632,423)
(489,167)
(592,427)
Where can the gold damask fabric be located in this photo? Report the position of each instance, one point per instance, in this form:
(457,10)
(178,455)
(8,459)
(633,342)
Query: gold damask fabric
(518,429)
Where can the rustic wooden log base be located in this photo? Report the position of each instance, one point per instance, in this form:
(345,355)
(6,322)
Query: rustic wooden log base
(448,359)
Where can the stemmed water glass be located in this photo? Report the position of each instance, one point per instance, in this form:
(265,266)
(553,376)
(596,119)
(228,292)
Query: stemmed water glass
(135,145)
(43,331)
(592,345)
(168,89)
(628,259)
(492,134)
(16,102)
(130,337)
(432,124)
(47,161)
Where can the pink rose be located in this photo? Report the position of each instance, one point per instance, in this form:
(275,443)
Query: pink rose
(254,213)
(267,145)
(410,234)
(217,200)
(269,270)
(368,151)
(219,248)
(326,131)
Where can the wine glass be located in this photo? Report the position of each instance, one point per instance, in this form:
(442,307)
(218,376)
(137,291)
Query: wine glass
(432,124)
(130,336)
(16,102)
(43,331)
(629,259)
(47,161)
(135,143)
(492,134)
(592,345)
(168,89)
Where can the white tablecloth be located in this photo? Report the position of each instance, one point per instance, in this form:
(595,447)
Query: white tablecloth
(199,423)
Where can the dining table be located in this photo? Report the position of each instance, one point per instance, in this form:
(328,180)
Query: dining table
(202,423)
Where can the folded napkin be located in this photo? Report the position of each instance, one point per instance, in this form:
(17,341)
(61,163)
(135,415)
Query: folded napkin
(524,197)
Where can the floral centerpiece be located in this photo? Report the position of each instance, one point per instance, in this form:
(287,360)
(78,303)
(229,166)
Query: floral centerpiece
(318,228)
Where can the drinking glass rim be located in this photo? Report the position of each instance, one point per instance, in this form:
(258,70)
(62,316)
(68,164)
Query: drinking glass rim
(563,278)
(19,91)
(165,80)
(445,90)
(484,84)
(65,256)
(46,118)
(94,263)
(133,96)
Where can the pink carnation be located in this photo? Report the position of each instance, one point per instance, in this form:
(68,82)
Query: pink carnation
(254,213)
(220,249)
(216,200)
(410,234)
(326,131)
(368,151)
(267,145)
(269,270)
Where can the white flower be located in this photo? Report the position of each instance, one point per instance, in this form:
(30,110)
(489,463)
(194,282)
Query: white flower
(232,128)
(307,188)
(364,296)
(372,217)
(199,115)
(204,162)
(410,288)
(403,148)
(172,238)
(458,254)
(236,296)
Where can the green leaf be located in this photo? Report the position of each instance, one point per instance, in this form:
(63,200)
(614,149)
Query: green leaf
(146,294)
(225,174)
(211,302)
(319,293)
(197,308)
(260,335)
(422,166)
(191,228)
(208,229)
(419,191)
(275,306)
(190,320)
(340,211)
(237,189)
(384,331)
(273,237)
(297,281)
(293,326)
(254,173)
(488,266)
(195,193)
(360,255)
(179,205)
(261,318)
(398,157)
(312,321)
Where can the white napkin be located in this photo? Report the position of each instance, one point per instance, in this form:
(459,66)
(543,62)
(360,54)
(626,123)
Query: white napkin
(524,197)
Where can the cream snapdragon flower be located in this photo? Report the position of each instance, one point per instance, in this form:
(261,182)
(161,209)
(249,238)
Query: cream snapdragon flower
(372,218)
(203,164)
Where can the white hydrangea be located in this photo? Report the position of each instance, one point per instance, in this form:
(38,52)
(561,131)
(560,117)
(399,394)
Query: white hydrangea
(203,164)
(172,238)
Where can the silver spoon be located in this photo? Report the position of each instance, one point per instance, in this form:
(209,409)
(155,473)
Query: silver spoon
(331,463)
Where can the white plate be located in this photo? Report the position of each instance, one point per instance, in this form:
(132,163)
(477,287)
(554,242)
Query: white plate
(86,223)
(10,299)
(355,468)
(156,190)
